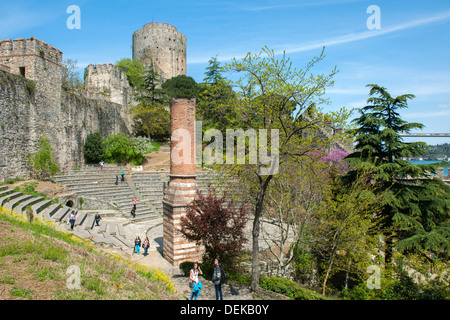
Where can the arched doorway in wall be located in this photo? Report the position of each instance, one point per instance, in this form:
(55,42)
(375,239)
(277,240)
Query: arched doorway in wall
(69,204)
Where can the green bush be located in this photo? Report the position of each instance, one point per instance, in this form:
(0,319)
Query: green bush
(186,267)
(288,288)
(94,148)
(119,148)
(43,163)
(398,288)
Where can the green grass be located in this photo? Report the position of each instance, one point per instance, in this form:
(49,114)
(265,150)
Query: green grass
(35,259)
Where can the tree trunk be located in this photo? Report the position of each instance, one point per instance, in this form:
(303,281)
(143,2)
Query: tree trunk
(330,265)
(255,232)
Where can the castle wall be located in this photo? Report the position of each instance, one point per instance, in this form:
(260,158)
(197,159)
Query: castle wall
(26,114)
(162,45)
(108,80)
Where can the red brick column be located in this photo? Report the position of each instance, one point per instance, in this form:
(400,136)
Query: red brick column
(182,186)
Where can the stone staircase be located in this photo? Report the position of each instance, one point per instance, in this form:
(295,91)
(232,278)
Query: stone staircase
(112,232)
(90,182)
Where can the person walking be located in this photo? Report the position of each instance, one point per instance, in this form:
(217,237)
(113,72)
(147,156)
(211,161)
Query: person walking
(123,176)
(97,218)
(117,180)
(72,218)
(133,213)
(194,283)
(216,279)
(134,204)
(146,245)
(101,164)
(137,244)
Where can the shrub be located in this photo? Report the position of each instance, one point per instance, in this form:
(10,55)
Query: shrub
(288,288)
(43,163)
(186,267)
(94,148)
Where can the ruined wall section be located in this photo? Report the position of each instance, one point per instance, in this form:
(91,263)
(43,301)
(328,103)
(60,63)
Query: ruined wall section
(162,45)
(109,81)
(25,116)
(35,60)
(17,101)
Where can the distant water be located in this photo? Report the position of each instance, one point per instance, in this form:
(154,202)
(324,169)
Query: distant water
(417,162)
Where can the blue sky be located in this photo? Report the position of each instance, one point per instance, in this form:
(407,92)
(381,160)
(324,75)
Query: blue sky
(410,53)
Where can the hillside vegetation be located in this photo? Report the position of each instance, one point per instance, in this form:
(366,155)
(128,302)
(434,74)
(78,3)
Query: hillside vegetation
(39,263)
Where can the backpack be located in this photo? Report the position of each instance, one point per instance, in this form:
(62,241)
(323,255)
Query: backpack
(223,277)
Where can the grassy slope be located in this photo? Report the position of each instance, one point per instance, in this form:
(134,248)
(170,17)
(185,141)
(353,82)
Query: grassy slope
(36,260)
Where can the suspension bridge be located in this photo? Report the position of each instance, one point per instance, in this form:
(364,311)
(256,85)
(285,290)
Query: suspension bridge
(426,135)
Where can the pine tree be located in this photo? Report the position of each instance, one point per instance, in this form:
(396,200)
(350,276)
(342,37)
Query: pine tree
(213,72)
(415,212)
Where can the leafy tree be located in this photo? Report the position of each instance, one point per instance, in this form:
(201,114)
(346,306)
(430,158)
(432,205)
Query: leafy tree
(94,149)
(215,100)
(120,147)
(215,106)
(347,215)
(43,163)
(117,148)
(134,69)
(416,208)
(274,95)
(180,86)
(215,222)
(151,116)
(70,80)
(152,121)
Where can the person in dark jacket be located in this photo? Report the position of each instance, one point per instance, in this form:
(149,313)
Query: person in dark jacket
(216,279)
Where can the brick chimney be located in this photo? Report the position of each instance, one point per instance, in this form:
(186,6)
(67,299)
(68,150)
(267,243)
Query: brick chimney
(182,186)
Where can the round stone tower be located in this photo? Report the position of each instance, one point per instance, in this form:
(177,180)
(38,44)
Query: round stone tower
(162,45)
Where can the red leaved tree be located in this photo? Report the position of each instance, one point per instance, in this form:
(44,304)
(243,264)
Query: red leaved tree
(216,223)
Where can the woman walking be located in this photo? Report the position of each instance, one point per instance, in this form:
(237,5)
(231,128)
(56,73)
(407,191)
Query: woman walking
(146,245)
(72,218)
(193,277)
(216,279)
(137,244)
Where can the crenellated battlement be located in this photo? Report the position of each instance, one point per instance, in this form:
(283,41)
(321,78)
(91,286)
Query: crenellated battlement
(30,47)
(161,26)
(107,82)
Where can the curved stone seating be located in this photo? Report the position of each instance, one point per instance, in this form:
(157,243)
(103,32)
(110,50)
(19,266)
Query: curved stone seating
(109,233)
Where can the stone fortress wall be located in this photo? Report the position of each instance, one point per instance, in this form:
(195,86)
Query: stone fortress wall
(163,46)
(108,82)
(33,104)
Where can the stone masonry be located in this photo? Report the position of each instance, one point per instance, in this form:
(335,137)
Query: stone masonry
(161,45)
(33,104)
(182,186)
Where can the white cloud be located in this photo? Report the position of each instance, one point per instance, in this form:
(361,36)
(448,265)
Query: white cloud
(339,40)
(432,114)
(443,106)
(354,37)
